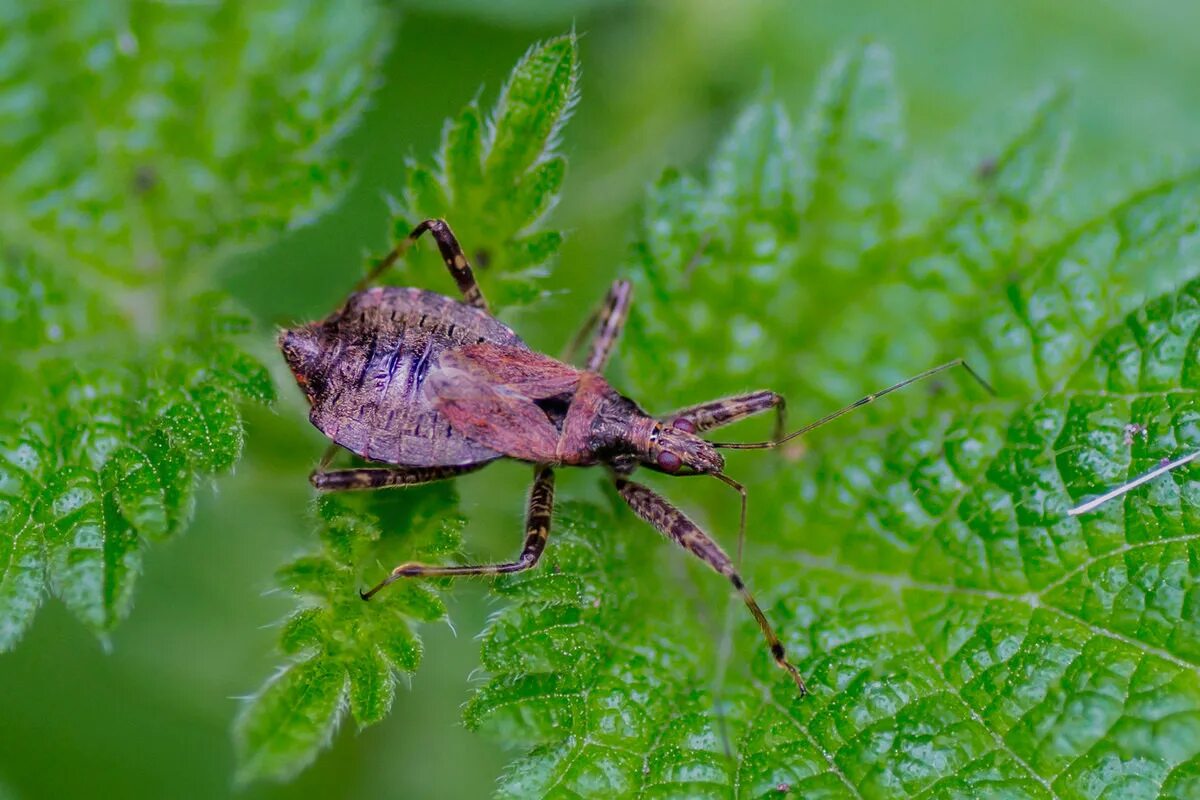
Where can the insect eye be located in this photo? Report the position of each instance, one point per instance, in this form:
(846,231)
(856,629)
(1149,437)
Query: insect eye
(684,425)
(669,462)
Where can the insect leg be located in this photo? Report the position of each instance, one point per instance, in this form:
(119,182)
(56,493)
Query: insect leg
(537,531)
(345,480)
(728,410)
(610,317)
(673,524)
(451,252)
(862,401)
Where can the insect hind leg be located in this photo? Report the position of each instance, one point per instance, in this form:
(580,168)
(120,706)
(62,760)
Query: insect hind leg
(452,254)
(610,318)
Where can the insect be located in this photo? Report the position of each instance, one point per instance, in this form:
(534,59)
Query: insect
(435,388)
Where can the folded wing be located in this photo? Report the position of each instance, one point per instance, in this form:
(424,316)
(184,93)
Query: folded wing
(490,393)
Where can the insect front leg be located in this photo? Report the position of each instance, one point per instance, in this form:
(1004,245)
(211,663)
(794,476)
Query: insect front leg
(452,254)
(673,524)
(610,317)
(728,410)
(859,403)
(537,531)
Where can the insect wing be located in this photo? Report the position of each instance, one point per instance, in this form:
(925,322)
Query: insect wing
(485,400)
(515,369)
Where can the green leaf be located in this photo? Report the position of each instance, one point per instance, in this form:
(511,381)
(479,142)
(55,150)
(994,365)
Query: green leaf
(853,145)
(190,129)
(339,647)
(296,712)
(962,635)
(21,567)
(495,180)
(827,275)
(104,441)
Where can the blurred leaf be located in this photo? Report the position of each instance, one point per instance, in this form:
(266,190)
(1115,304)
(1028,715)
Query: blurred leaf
(103,440)
(141,137)
(494,180)
(853,147)
(961,634)
(514,13)
(346,653)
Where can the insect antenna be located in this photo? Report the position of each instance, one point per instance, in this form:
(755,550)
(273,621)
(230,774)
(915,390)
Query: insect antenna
(841,412)
(741,490)
(1129,486)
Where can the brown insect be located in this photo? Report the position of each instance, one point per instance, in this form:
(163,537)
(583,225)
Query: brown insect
(436,388)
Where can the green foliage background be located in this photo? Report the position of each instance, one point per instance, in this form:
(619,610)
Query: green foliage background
(850,239)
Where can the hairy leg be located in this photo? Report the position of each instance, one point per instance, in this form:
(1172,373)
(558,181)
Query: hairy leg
(359,478)
(728,410)
(537,531)
(673,524)
(610,318)
(452,254)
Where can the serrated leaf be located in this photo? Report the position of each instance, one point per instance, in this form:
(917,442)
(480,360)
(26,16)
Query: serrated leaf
(494,182)
(826,276)
(372,686)
(104,447)
(191,128)
(335,638)
(959,631)
(854,139)
(962,635)
(22,565)
(93,555)
(292,718)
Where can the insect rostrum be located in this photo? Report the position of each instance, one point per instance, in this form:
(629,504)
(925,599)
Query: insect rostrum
(434,387)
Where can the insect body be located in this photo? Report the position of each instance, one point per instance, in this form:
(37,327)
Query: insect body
(366,371)
(435,388)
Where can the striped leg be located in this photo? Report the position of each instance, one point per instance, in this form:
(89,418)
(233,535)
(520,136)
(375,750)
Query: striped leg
(672,523)
(728,410)
(859,403)
(537,531)
(345,480)
(452,254)
(610,317)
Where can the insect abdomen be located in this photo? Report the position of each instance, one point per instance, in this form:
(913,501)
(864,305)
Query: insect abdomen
(374,402)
